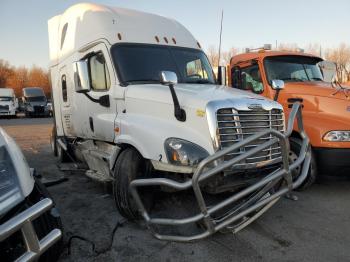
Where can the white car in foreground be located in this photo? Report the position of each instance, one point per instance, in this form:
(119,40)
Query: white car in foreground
(30,226)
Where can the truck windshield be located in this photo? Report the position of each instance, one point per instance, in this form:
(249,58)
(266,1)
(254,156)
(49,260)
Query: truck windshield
(36,99)
(6,98)
(143,63)
(293,68)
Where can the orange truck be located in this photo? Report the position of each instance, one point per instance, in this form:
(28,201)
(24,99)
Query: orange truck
(289,77)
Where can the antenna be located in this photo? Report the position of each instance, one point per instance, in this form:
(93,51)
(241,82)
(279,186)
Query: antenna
(222,18)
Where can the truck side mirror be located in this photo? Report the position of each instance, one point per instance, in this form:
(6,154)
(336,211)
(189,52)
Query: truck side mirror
(81,77)
(222,75)
(277,85)
(244,81)
(239,78)
(168,78)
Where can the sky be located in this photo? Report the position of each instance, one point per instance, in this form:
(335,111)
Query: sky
(24,37)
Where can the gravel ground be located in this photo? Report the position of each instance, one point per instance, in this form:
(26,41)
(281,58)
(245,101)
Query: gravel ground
(314,228)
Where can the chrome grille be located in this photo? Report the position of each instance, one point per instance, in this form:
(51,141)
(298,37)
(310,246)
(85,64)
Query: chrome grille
(39,109)
(4,108)
(234,126)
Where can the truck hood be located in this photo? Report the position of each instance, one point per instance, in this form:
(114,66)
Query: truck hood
(7,103)
(195,96)
(321,89)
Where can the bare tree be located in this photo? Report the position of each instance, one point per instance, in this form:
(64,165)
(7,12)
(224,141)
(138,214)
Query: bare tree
(340,56)
(226,55)
(293,47)
(18,80)
(6,71)
(314,49)
(213,56)
(38,77)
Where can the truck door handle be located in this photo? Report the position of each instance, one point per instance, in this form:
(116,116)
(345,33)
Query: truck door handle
(91,122)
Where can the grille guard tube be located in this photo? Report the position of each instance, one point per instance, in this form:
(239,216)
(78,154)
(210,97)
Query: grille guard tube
(23,221)
(203,172)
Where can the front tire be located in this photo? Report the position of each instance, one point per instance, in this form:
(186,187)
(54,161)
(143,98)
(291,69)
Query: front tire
(295,147)
(130,165)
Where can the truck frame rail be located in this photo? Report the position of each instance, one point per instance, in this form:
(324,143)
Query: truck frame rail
(211,166)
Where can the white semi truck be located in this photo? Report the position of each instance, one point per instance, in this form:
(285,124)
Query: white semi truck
(8,102)
(34,102)
(136,100)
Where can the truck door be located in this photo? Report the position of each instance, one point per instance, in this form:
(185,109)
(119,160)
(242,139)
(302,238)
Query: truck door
(98,120)
(66,87)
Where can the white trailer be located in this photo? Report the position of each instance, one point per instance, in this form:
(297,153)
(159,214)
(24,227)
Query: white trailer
(8,102)
(135,98)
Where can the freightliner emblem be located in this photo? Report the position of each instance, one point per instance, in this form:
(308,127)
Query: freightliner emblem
(255,106)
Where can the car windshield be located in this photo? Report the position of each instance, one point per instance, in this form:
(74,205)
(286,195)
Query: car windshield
(6,98)
(293,68)
(143,63)
(36,99)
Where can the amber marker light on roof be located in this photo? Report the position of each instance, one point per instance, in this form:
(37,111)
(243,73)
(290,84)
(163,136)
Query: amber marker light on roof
(157,39)
(119,36)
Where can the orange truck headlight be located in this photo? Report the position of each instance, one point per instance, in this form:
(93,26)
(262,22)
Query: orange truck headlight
(337,136)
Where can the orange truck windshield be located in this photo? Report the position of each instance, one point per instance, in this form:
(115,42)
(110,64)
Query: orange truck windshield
(292,69)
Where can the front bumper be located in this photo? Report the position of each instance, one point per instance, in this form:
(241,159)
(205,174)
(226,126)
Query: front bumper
(23,221)
(263,194)
(8,113)
(332,161)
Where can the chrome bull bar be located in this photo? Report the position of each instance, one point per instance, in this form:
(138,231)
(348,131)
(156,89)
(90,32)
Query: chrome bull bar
(203,172)
(34,247)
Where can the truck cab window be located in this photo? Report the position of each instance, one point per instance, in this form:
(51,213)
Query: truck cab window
(64,88)
(142,63)
(253,78)
(194,70)
(100,79)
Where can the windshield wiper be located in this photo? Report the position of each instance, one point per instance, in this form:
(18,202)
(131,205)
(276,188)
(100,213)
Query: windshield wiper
(316,78)
(199,81)
(143,81)
(293,79)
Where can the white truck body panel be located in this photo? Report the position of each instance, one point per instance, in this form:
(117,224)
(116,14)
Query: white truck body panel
(8,102)
(149,117)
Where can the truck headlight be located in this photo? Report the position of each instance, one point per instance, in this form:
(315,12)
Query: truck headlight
(337,136)
(30,108)
(184,153)
(10,193)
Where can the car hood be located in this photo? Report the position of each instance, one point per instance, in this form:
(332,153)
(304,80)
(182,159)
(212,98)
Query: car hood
(322,89)
(193,96)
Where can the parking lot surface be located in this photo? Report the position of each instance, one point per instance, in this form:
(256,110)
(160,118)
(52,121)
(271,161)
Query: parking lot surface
(314,228)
